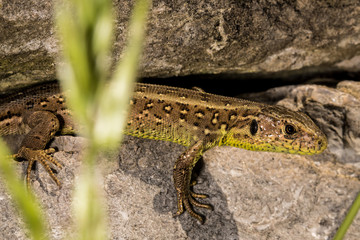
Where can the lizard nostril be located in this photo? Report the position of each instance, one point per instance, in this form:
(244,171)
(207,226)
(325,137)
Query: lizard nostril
(321,144)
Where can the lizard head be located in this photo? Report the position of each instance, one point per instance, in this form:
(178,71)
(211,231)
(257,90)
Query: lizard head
(276,129)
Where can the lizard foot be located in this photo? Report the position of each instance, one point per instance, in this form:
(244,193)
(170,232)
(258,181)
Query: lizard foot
(187,200)
(41,156)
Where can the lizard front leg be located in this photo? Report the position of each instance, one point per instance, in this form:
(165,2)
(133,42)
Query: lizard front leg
(43,126)
(182,178)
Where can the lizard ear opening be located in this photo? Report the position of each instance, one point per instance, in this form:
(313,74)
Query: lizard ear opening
(253,127)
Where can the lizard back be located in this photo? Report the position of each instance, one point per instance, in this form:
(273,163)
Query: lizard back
(183,115)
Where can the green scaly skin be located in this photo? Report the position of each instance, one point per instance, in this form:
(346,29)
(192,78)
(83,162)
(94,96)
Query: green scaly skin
(193,118)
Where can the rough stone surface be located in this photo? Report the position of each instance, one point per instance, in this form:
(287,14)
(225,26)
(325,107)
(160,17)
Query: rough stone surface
(194,37)
(256,195)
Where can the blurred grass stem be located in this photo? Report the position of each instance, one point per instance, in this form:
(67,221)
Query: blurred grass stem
(100,106)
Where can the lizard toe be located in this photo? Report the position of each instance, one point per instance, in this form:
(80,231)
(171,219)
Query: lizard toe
(41,156)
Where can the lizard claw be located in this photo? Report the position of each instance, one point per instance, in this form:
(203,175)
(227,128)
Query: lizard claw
(41,156)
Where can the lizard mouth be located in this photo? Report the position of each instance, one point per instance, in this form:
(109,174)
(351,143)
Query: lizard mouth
(318,147)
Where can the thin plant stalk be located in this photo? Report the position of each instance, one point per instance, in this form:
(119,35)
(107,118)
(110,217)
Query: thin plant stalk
(354,209)
(100,106)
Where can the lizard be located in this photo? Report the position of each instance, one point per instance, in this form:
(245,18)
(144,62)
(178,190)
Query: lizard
(193,118)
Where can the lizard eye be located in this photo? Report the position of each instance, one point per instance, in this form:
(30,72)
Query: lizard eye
(290,129)
(253,127)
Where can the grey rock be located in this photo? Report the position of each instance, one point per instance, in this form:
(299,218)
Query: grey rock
(195,37)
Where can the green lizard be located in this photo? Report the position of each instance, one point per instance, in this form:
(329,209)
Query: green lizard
(193,118)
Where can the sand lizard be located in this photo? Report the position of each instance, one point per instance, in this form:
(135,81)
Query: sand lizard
(193,118)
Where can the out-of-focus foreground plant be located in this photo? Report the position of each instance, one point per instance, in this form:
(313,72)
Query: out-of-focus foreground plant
(354,209)
(85,28)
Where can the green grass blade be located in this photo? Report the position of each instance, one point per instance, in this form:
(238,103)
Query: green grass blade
(348,219)
(114,100)
(100,106)
(89,204)
(85,28)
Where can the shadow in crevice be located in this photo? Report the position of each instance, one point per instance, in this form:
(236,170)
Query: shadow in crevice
(234,83)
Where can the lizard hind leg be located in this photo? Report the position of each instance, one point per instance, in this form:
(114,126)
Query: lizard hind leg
(44,125)
(182,178)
